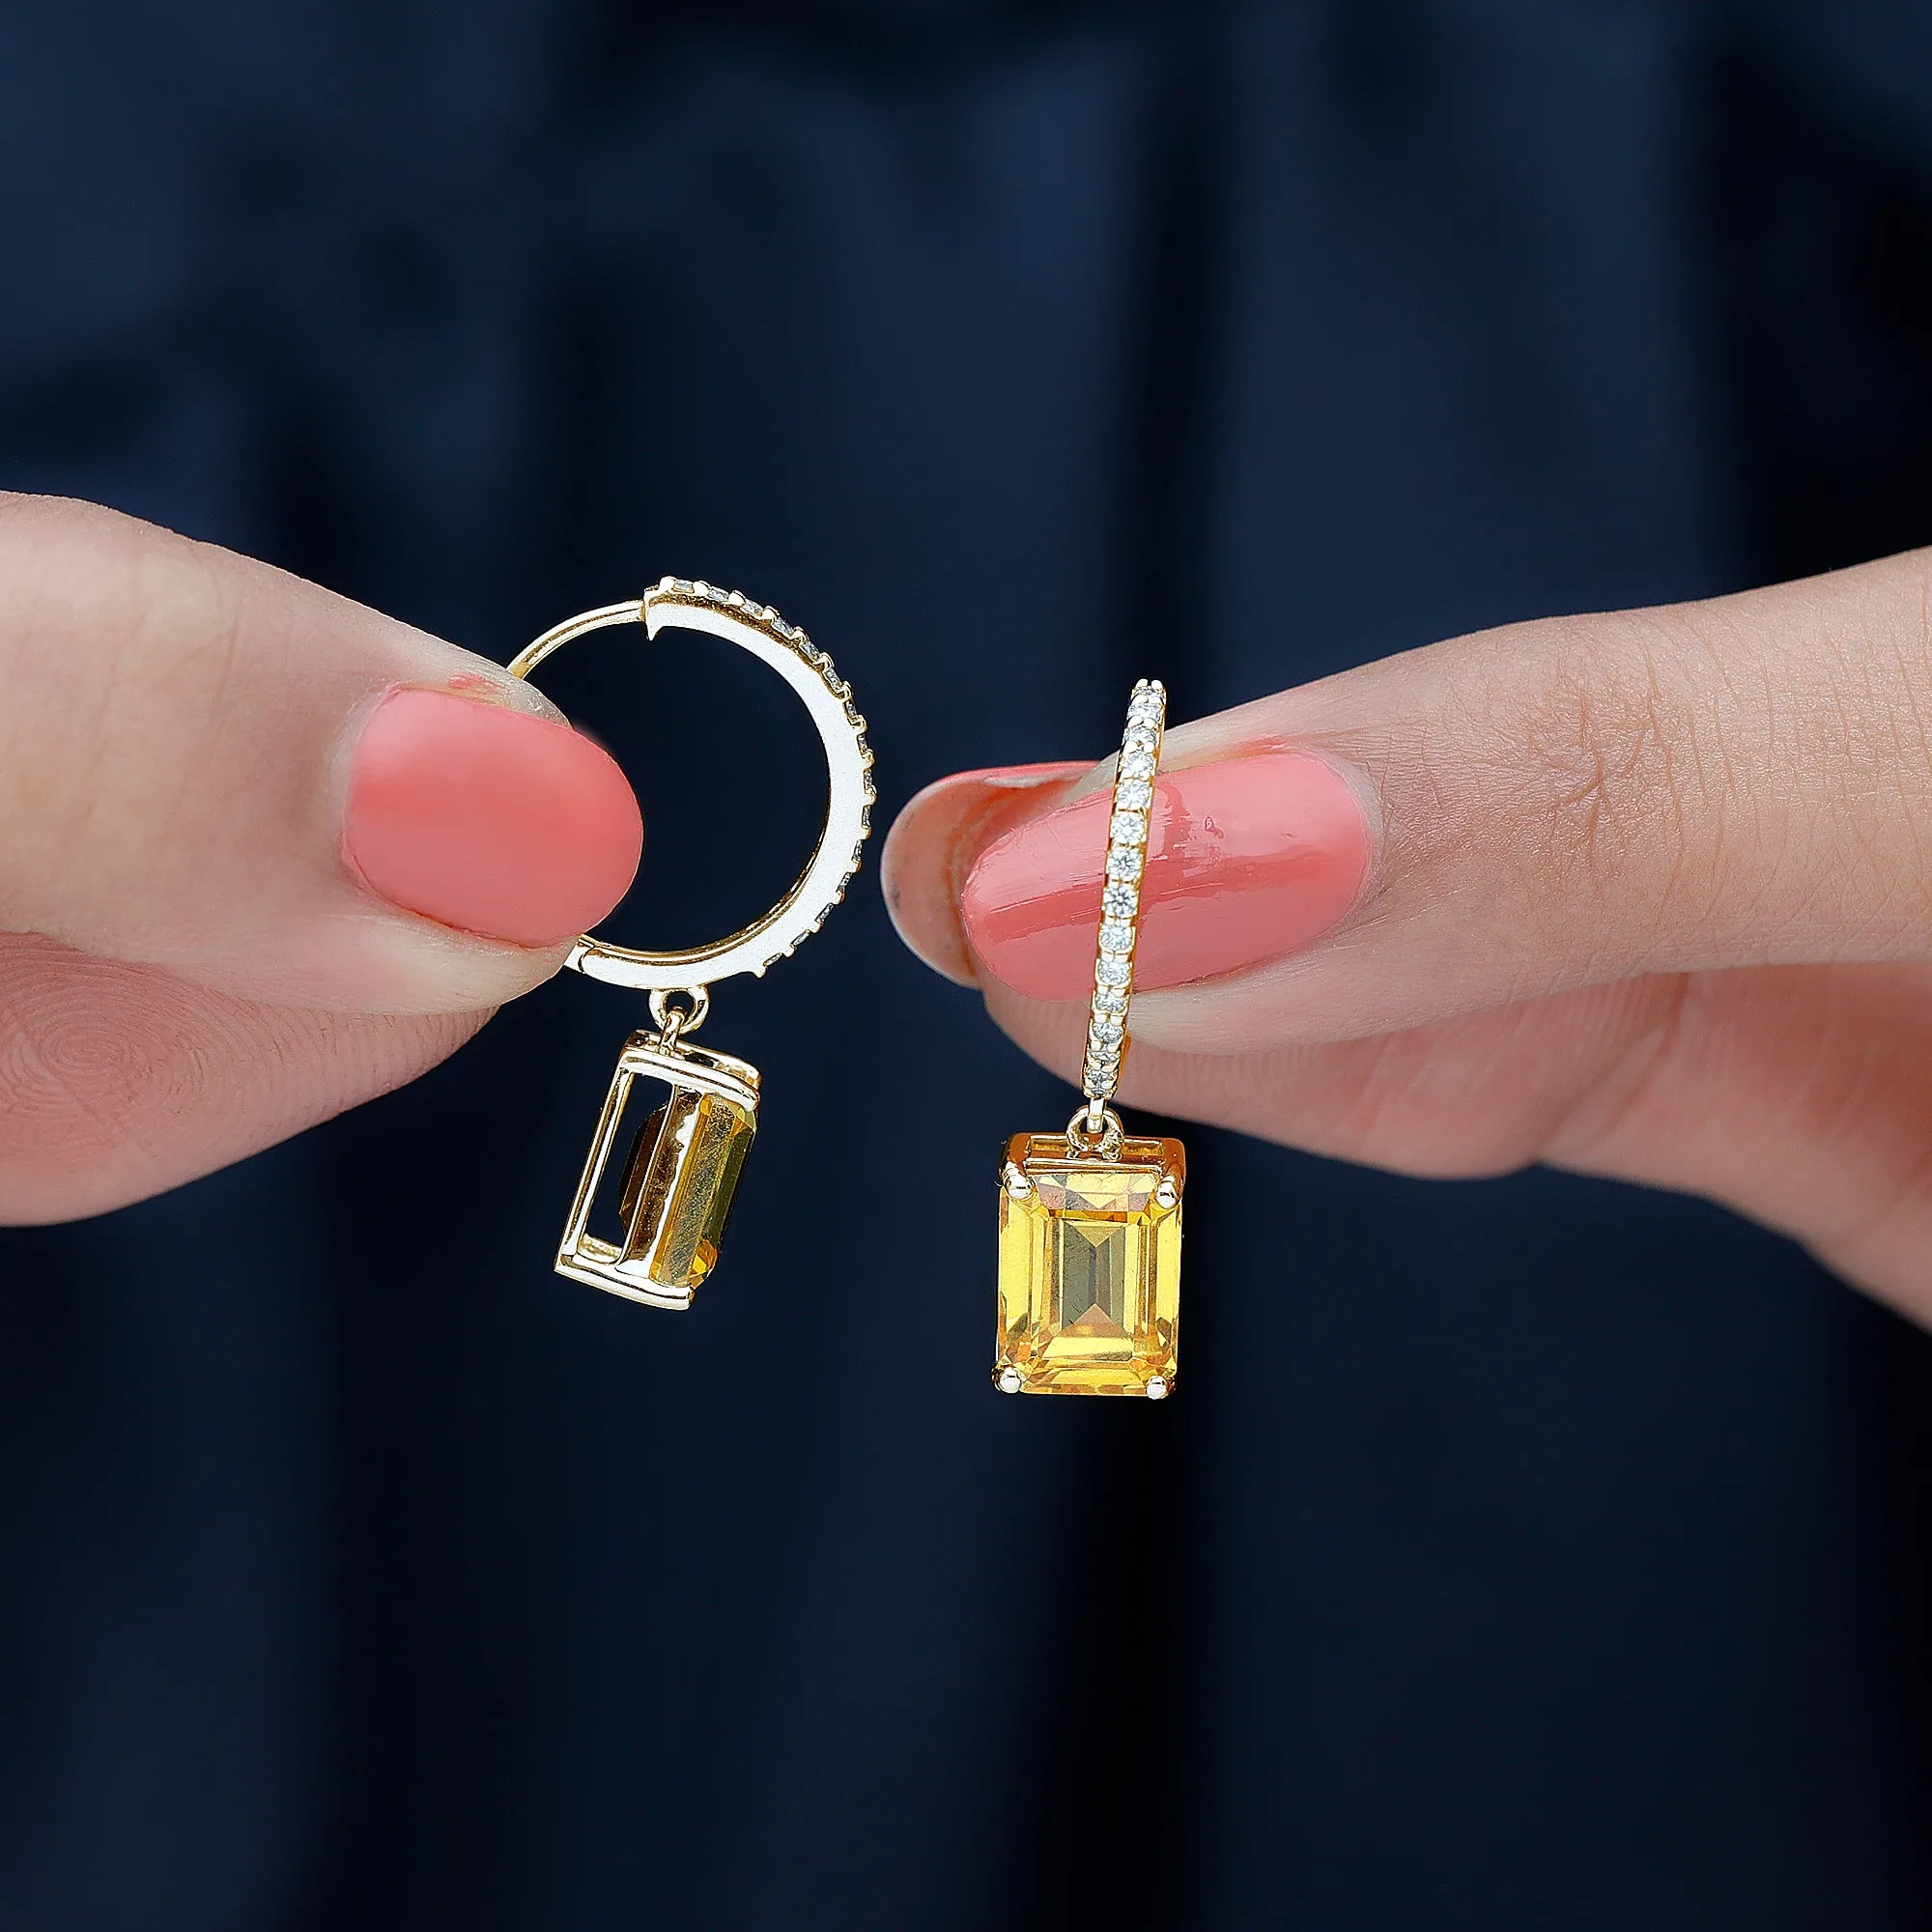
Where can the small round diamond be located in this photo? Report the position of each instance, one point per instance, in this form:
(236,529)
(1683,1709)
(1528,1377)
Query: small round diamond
(1128,828)
(1156,1387)
(1119,901)
(1117,935)
(1132,795)
(1009,1380)
(1110,999)
(1137,764)
(1125,864)
(1113,972)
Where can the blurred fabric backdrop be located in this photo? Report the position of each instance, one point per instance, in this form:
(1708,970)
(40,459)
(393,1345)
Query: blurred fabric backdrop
(1525,1554)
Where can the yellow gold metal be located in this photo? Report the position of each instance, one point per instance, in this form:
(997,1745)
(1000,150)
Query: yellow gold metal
(1089,1220)
(679,1179)
(1102,1136)
(676,1021)
(850,793)
(682,1170)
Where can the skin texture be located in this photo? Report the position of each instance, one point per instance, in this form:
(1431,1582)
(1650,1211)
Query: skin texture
(1650,895)
(190,968)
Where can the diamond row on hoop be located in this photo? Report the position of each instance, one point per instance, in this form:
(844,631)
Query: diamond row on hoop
(1121,895)
(688,590)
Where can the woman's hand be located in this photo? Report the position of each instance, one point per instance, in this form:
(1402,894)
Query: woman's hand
(264,854)
(1646,895)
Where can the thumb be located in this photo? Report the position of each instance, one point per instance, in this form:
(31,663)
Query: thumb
(264,854)
(209,766)
(1518,814)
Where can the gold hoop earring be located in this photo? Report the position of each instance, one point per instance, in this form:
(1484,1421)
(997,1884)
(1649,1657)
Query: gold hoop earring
(683,1166)
(1090,1220)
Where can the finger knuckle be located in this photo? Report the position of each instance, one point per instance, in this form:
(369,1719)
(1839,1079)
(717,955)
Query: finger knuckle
(1609,759)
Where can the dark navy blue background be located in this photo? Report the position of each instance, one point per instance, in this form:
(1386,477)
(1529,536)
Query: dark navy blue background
(1527,1554)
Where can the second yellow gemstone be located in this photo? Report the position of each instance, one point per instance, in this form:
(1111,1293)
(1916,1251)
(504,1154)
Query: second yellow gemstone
(1089,1267)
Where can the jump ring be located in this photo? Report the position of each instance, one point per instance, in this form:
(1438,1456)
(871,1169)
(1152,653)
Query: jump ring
(1105,1144)
(672,1021)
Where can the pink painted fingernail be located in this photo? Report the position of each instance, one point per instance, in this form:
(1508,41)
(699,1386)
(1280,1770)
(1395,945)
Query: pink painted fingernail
(1248,859)
(488,820)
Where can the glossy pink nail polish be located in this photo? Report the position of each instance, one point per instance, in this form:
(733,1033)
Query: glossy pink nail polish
(488,820)
(1248,859)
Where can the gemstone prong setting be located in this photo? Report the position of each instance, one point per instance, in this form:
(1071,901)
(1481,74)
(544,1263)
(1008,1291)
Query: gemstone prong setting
(1089,1220)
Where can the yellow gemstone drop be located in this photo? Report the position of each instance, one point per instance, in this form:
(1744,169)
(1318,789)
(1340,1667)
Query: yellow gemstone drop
(1089,1267)
(679,1184)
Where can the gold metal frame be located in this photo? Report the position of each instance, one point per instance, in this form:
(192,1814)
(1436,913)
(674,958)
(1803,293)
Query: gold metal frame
(849,798)
(689,1069)
(679,1183)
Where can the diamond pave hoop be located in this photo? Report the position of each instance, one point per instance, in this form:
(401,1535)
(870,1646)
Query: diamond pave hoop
(1121,905)
(682,1170)
(848,816)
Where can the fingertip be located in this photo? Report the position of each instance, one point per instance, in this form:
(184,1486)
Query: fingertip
(934,842)
(1250,859)
(494,821)
(1031,905)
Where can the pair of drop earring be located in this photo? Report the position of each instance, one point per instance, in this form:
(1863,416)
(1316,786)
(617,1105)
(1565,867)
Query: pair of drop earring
(1089,1219)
